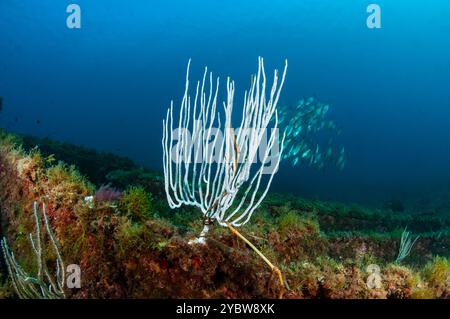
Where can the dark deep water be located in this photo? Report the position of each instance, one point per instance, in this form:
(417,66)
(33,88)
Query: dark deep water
(108,85)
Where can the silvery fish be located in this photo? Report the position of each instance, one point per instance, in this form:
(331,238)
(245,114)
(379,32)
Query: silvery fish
(307,129)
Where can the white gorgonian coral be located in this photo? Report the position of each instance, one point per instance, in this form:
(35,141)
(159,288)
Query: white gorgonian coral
(220,173)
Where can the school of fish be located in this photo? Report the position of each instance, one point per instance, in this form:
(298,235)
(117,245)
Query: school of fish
(310,136)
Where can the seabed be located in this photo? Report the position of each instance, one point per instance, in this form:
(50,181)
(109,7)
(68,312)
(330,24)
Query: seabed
(110,217)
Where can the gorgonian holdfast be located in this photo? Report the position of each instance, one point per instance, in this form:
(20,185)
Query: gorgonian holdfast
(209,170)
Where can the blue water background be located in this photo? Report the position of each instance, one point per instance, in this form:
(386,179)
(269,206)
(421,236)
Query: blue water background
(108,85)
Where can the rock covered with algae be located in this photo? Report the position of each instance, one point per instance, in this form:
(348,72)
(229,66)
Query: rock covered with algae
(138,247)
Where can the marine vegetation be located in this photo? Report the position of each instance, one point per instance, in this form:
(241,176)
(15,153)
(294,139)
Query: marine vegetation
(310,135)
(107,194)
(136,203)
(322,248)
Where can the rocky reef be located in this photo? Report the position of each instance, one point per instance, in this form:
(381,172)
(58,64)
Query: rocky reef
(130,244)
